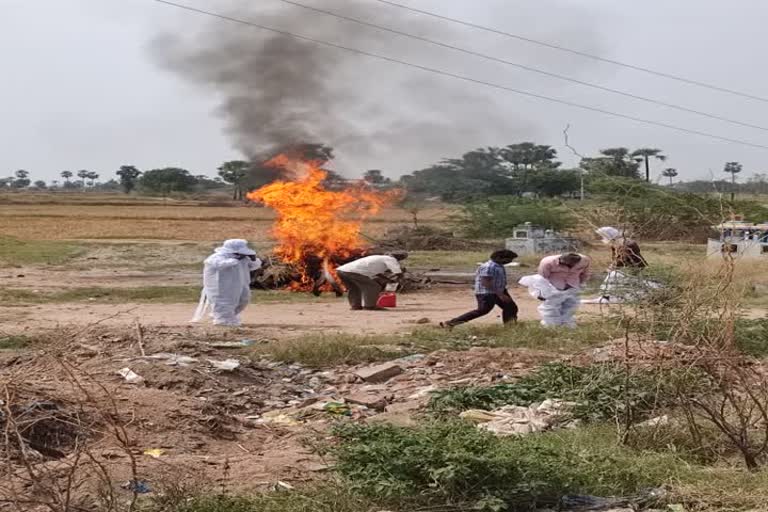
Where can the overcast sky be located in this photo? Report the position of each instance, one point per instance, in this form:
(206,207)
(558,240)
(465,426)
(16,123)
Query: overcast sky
(81,88)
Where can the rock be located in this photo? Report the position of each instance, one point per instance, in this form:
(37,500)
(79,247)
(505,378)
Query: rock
(374,401)
(379,373)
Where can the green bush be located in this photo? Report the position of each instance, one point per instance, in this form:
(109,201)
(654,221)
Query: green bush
(454,463)
(498,216)
(601,392)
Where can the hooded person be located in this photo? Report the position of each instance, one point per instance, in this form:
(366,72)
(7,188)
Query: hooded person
(622,281)
(226,282)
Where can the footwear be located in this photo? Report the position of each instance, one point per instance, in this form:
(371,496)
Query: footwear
(446,325)
(356,308)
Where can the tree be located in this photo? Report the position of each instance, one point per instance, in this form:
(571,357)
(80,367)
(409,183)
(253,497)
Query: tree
(669,173)
(40,184)
(375,177)
(21,179)
(93,177)
(733,168)
(613,162)
(83,175)
(128,175)
(66,175)
(234,172)
(644,155)
(167,180)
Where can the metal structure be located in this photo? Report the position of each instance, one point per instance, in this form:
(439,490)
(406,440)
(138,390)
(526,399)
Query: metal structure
(529,239)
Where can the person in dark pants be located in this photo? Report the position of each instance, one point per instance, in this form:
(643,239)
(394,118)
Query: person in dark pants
(490,291)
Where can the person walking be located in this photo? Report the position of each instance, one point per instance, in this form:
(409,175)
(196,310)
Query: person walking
(365,278)
(557,286)
(226,283)
(490,291)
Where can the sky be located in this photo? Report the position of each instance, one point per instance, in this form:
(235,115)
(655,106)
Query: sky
(85,84)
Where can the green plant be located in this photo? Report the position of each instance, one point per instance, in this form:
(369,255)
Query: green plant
(498,216)
(600,392)
(454,463)
(14,342)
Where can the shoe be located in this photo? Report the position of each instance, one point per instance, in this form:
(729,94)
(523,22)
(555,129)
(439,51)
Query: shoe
(446,325)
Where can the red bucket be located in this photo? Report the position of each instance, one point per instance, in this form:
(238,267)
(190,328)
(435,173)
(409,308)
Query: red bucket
(387,300)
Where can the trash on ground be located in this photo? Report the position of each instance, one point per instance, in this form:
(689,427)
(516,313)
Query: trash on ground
(137,486)
(337,408)
(227,365)
(517,420)
(640,501)
(173,359)
(130,376)
(155,453)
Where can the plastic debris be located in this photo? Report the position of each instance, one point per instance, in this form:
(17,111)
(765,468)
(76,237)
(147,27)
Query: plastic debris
(227,365)
(517,420)
(583,502)
(337,408)
(155,453)
(283,486)
(130,376)
(277,418)
(173,359)
(138,486)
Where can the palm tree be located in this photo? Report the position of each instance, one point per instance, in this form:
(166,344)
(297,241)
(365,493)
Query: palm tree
(644,155)
(83,175)
(669,173)
(93,177)
(733,168)
(66,175)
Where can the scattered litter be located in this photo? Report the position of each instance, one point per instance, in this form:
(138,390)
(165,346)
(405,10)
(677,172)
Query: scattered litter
(130,376)
(337,408)
(283,486)
(173,359)
(516,420)
(227,365)
(413,358)
(641,501)
(155,453)
(277,418)
(659,421)
(423,392)
(137,486)
(247,342)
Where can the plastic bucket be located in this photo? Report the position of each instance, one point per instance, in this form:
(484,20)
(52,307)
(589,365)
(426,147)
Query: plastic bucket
(387,300)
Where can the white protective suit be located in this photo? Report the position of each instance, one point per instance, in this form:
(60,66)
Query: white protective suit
(558,306)
(226,283)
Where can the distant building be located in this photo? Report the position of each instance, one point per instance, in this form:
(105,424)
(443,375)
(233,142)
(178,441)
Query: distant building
(742,239)
(528,240)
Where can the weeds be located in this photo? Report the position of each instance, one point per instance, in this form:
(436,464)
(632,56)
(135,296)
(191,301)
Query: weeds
(601,392)
(16,253)
(326,350)
(14,342)
(453,463)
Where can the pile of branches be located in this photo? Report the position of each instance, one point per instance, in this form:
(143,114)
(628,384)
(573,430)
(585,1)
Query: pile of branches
(425,238)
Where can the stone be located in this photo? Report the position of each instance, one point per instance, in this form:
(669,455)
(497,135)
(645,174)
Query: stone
(374,401)
(379,373)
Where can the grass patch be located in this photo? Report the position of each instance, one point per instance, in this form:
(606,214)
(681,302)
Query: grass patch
(331,497)
(16,253)
(454,463)
(14,342)
(600,392)
(146,294)
(325,350)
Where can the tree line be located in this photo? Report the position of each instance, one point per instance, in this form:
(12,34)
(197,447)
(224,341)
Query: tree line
(523,169)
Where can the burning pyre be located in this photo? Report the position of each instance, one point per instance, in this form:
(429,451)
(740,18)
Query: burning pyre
(317,229)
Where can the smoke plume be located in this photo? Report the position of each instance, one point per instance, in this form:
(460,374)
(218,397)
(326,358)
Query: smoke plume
(276,90)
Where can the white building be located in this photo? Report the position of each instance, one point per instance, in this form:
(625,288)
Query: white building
(742,239)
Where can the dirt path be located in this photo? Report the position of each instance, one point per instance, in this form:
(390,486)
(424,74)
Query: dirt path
(283,318)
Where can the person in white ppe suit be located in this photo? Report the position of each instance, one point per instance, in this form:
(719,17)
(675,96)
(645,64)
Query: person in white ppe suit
(557,286)
(226,283)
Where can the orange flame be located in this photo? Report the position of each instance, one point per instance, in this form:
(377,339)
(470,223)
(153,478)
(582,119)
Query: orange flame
(313,222)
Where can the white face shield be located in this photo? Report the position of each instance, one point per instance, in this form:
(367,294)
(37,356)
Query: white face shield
(608,234)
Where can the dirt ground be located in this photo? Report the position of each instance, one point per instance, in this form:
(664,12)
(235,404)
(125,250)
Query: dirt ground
(289,318)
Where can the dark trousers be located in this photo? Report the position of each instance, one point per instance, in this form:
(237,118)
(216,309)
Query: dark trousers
(485,304)
(363,292)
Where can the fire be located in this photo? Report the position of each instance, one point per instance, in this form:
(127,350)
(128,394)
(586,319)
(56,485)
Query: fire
(315,224)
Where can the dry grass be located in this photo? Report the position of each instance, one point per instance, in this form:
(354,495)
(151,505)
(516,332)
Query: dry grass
(163,222)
